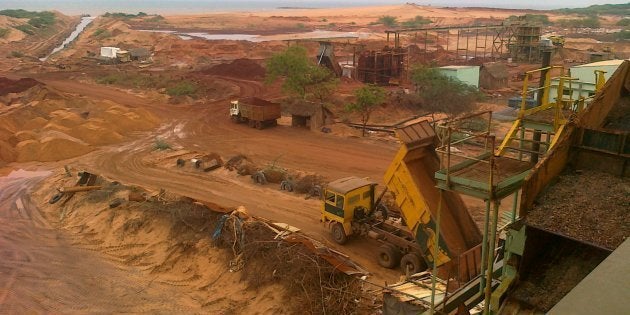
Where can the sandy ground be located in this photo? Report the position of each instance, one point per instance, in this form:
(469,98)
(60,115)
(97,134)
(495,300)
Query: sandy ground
(199,126)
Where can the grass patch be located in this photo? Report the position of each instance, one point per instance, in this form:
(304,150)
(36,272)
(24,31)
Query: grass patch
(161,144)
(102,33)
(4,32)
(182,88)
(41,19)
(144,81)
(26,28)
(17,54)
(417,21)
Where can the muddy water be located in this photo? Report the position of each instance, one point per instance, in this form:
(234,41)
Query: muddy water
(42,272)
(85,21)
(262,38)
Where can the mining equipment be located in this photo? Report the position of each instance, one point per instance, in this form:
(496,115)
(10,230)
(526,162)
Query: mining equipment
(256,112)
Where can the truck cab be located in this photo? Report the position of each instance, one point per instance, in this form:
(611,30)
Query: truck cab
(234,109)
(347,200)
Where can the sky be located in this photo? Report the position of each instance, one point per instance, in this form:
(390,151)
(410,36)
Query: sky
(174,6)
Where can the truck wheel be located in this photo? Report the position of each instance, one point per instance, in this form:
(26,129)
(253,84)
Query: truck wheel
(412,263)
(338,233)
(388,256)
(250,123)
(258,125)
(235,119)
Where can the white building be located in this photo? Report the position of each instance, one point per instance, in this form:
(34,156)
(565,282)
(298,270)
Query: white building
(109,52)
(584,85)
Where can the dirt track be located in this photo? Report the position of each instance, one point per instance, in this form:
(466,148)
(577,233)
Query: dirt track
(208,129)
(44,271)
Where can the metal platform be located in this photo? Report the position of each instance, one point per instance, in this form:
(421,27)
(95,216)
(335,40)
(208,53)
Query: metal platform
(472,176)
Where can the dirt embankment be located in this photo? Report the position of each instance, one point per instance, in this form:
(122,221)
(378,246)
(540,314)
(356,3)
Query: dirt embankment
(218,263)
(40,124)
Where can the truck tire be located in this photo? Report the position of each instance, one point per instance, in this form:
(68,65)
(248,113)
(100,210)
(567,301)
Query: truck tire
(259,178)
(338,233)
(250,123)
(388,256)
(286,185)
(413,263)
(258,125)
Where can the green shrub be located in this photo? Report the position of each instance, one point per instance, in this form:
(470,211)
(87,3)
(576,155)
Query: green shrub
(17,54)
(590,21)
(43,19)
(623,35)
(182,88)
(300,26)
(439,93)
(36,19)
(388,20)
(19,13)
(3,32)
(161,144)
(26,28)
(417,21)
(101,33)
(623,22)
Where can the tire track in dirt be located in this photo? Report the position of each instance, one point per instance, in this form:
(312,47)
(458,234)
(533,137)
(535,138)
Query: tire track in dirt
(42,272)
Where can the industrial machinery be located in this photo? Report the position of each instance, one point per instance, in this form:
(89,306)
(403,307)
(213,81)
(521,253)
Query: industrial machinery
(256,112)
(557,40)
(350,207)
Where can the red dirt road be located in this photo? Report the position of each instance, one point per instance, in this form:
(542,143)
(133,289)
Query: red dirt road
(209,129)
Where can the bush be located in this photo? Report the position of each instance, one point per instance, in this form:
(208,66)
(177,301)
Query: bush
(388,20)
(182,88)
(19,13)
(3,32)
(418,21)
(44,19)
(439,93)
(36,19)
(590,22)
(300,26)
(623,22)
(17,54)
(161,144)
(101,33)
(27,29)
(623,35)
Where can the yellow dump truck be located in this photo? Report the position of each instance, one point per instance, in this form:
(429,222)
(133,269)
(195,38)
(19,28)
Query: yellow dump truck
(351,208)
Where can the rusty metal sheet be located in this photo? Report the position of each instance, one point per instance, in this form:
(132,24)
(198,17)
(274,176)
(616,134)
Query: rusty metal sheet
(417,133)
(339,261)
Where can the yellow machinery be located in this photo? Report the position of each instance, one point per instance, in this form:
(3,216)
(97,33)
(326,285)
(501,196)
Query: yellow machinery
(350,208)
(557,40)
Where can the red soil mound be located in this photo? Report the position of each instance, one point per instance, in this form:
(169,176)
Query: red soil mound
(16,86)
(239,68)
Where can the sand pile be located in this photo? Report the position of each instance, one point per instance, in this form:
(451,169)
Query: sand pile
(56,129)
(239,68)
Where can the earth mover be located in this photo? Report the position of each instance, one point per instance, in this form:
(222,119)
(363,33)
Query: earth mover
(256,112)
(351,208)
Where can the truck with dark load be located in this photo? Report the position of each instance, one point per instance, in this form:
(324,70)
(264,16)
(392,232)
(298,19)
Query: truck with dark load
(256,112)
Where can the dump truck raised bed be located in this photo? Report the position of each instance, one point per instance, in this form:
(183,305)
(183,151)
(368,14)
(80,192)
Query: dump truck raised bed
(256,112)
(351,208)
